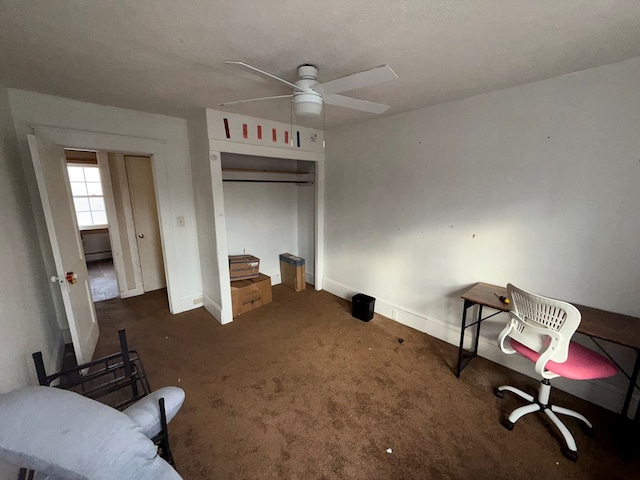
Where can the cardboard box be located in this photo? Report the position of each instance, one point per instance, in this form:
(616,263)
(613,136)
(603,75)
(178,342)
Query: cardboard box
(292,271)
(249,294)
(242,267)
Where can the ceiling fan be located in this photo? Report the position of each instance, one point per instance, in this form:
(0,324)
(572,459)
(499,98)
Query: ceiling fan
(309,94)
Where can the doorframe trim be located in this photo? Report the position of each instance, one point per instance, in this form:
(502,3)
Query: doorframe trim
(134,145)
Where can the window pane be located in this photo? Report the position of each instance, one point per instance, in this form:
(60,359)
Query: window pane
(78,188)
(75,174)
(100,218)
(94,188)
(97,203)
(81,204)
(92,174)
(84,219)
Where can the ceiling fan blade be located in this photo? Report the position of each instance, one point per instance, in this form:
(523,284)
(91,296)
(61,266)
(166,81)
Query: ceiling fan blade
(253,100)
(367,78)
(267,74)
(355,103)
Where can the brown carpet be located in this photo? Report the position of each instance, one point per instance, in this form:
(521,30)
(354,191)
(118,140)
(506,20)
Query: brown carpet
(300,389)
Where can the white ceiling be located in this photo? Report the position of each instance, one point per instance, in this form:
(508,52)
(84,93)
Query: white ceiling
(166,56)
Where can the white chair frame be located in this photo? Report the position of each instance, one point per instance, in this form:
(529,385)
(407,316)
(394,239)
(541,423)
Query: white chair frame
(546,326)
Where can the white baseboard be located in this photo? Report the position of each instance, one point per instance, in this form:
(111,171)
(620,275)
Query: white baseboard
(190,302)
(58,358)
(54,364)
(213,307)
(134,292)
(66,335)
(599,392)
(92,257)
(276,278)
(310,278)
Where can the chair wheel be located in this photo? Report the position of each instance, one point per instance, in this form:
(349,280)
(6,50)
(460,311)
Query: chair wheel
(570,454)
(506,423)
(498,393)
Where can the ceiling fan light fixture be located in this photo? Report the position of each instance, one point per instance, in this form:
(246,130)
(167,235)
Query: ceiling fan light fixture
(308,93)
(307,104)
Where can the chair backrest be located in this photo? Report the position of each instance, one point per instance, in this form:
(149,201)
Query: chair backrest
(538,322)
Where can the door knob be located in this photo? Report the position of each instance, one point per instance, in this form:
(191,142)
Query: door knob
(141,235)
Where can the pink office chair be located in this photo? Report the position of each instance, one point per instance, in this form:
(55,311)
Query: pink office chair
(540,329)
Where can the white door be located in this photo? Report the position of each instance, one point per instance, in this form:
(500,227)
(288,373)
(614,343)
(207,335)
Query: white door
(145,219)
(57,202)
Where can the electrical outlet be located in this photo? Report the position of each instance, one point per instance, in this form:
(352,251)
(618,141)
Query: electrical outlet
(197,301)
(394,314)
(180,221)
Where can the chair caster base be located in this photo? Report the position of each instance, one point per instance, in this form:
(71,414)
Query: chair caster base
(498,393)
(586,429)
(507,424)
(570,454)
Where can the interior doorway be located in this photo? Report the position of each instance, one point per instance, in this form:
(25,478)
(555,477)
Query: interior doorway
(115,204)
(103,280)
(88,193)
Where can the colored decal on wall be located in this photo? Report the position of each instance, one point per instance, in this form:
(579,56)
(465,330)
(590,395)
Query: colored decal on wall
(226,128)
(286,137)
(245,131)
(274,135)
(259,132)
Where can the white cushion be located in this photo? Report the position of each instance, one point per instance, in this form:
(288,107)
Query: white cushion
(146,411)
(68,436)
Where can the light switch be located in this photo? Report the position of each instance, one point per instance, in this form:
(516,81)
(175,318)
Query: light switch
(180,221)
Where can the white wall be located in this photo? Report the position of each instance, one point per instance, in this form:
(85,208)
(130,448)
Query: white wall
(262,220)
(172,172)
(27,315)
(537,185)
(306,228)
(267,219)
(203,195)
(96,244)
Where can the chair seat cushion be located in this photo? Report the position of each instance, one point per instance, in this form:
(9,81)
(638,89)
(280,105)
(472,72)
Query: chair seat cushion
(67,436)
(582,362)
(146,411)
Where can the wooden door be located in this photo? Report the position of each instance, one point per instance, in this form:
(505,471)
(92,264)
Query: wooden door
(71,275)
(145,219)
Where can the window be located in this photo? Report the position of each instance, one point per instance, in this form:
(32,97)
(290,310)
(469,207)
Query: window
(87,195)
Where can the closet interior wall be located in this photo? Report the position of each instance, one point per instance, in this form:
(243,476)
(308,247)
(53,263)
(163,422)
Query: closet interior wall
(266,218)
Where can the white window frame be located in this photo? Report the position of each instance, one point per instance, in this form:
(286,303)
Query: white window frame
(92,226)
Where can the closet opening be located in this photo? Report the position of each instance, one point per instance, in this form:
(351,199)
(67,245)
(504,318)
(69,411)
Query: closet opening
(270,209)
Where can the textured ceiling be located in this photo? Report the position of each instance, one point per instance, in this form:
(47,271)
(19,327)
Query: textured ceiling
(166,56)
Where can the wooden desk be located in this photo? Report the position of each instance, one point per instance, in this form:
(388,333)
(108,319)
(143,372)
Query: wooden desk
(596,324)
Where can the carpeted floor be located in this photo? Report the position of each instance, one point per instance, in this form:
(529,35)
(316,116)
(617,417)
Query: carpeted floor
(299,389)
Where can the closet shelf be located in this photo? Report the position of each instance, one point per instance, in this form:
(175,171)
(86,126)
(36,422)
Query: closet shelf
(275,176)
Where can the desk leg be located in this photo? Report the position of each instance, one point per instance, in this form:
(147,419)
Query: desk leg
(462,353)
(628,438)
(463,327)
(632,386)
(477,339)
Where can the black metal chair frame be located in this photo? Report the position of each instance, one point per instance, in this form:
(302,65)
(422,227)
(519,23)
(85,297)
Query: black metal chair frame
(117,380)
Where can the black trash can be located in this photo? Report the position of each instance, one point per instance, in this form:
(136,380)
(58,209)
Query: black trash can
(362,306)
